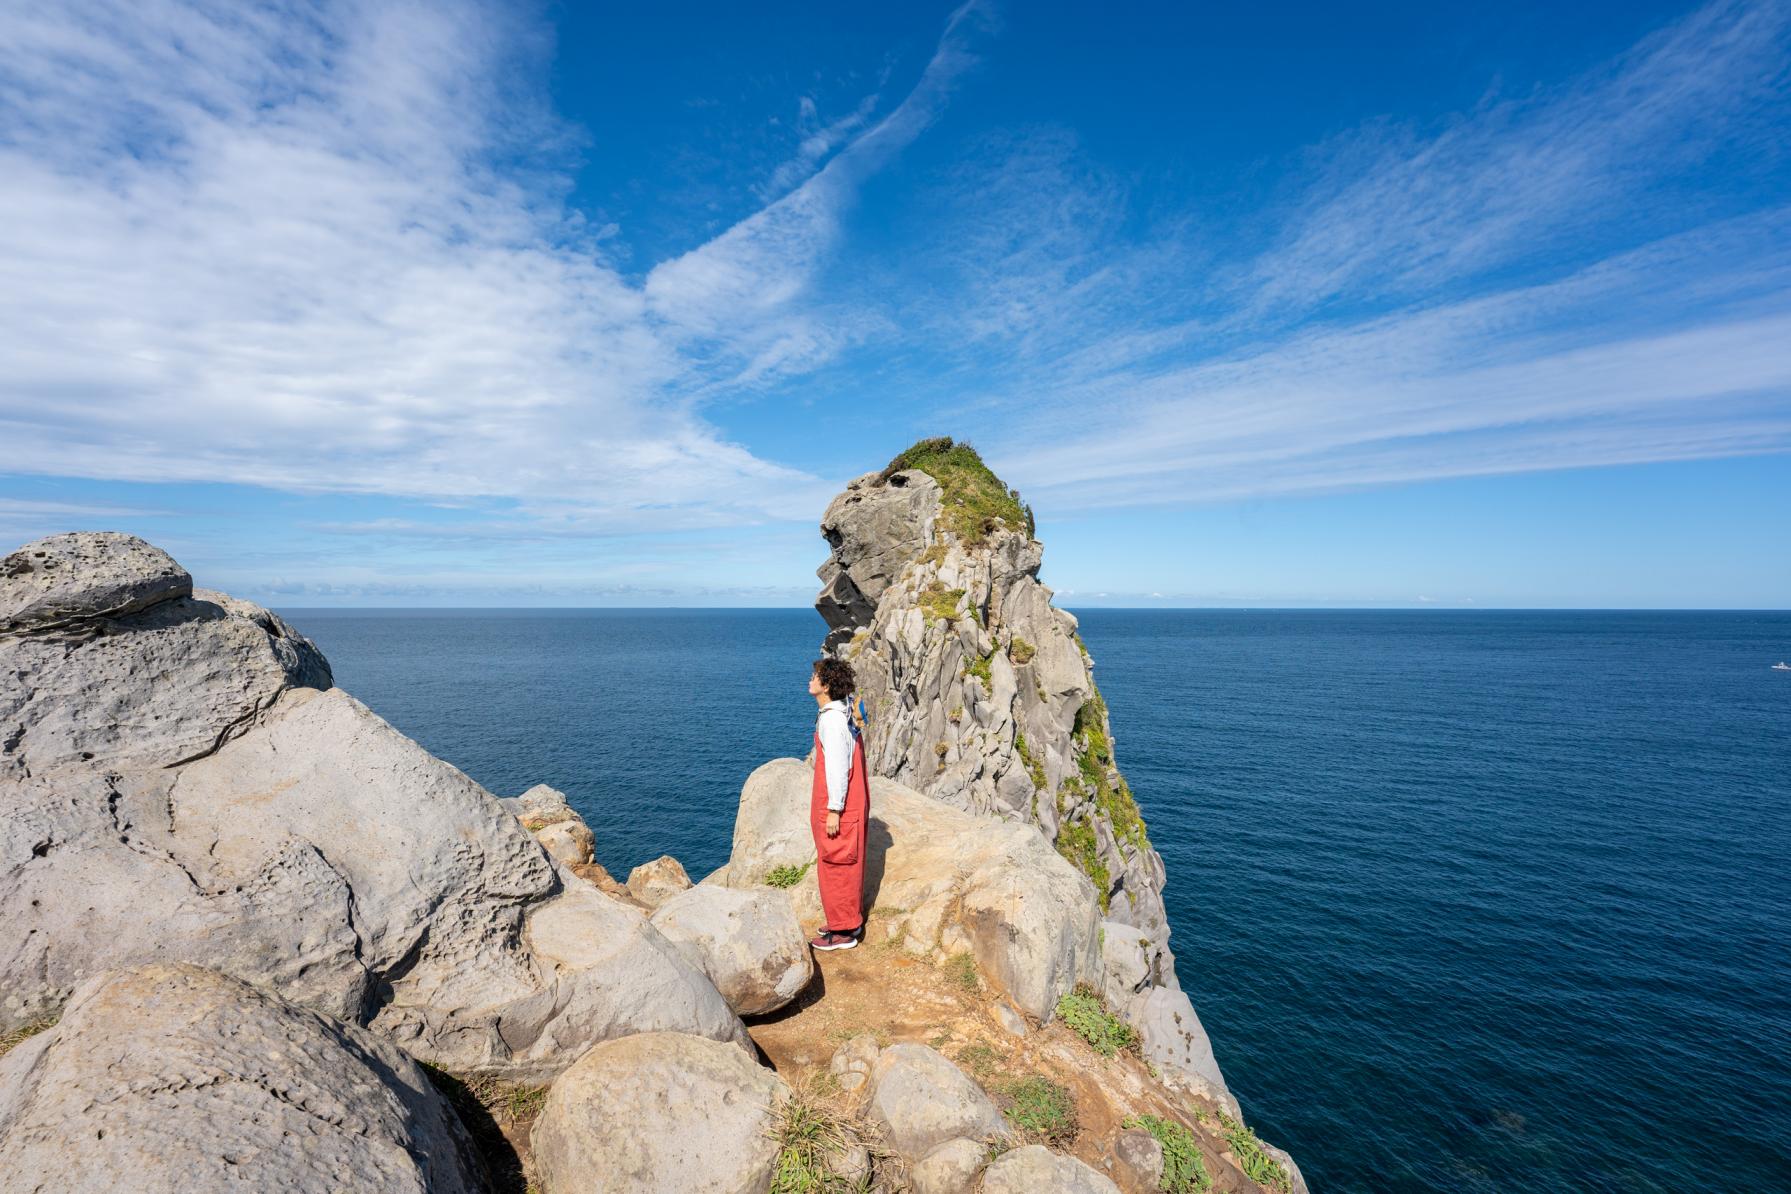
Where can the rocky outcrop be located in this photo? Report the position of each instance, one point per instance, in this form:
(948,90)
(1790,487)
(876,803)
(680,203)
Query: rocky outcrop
(1171,1036)
(73,580)
(747,942)
(170,1078)
(655,882)
(947,882)
(1036,1168)
(176,787)
(921,1100)
(950,1168)
(545,813)
(980,692)
(659,1112)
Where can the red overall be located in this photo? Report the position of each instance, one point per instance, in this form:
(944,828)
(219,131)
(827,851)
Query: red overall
(839,861)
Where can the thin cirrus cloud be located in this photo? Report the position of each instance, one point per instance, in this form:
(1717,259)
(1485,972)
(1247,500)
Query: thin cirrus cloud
(1568,280)
(313,248)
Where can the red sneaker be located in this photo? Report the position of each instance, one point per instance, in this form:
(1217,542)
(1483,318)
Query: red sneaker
(828,939)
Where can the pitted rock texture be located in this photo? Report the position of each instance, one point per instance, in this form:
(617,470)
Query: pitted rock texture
(1171,1036)
(658,1112)
(965,884)
(177,1078)
(65,581)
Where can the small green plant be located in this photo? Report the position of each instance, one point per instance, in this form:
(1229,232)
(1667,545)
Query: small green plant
(1021,651)
(979,667)
(981,1060)
(1034,771)
(1076,842)
(1084,1014)
(961,969)
(939,603)
(807,1134)
(24,1032)
(1043,1111)
(788,875)
(1184,1169)
(974,501)
(1257,1165)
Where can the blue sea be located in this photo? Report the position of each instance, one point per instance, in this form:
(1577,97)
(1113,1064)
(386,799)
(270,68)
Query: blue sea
(1490,901)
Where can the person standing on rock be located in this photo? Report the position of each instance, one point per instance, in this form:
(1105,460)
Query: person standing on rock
(840,807)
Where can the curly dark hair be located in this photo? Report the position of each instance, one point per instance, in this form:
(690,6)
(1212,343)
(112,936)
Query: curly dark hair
(836,677)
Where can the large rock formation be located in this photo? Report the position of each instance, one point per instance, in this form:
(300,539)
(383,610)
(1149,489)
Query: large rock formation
(179,1078)
(962,884)
(980,692)
(178,782)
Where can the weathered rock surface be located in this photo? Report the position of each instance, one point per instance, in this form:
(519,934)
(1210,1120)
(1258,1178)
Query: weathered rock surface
(155,687)
(170,791)
(1125,963)
(1036,1169)
(176,1078)
(545,813)
(655,882)
(659,1112)
(84,576)
(852,1062)
(970,883)
(875,531)
(921,1100)
(1139,1156)
(1171,1036)
(748,943)
(950,1168)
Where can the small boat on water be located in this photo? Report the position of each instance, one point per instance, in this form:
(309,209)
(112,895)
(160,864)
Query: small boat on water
(1781,666)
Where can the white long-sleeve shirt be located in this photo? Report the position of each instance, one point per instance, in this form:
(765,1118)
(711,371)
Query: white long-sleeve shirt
(835,730)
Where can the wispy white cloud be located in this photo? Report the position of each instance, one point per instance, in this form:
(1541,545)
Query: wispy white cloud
(1540,284)
(320,247)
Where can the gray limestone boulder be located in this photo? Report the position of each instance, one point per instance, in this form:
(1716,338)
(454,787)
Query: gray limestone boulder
(1035,1169)
(747,942)
(658,1112)
(1139,1155)
(545,812)
(1125,962)
(921,1100)
(965,883)
(65,580)
(1171,1036)
(167,1079)
(570,843)
(655,882)
(950,1168)
(159,687)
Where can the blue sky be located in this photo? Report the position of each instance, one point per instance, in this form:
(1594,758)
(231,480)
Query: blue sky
(486,304)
